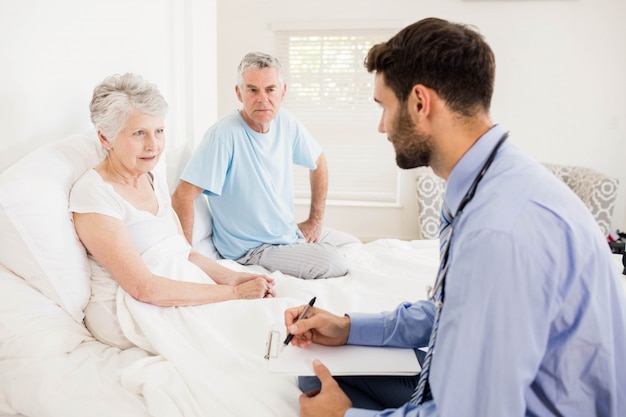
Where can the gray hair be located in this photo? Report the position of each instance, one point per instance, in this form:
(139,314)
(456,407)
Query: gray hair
(118,96)
(258,60)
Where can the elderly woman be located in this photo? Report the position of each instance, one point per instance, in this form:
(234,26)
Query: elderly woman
(123,216)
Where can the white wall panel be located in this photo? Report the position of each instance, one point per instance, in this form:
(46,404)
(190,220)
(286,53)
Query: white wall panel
(53,53)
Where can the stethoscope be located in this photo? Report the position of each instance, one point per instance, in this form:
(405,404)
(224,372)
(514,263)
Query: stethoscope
(469,195)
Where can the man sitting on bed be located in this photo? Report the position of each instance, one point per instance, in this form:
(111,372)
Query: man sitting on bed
(527,316)
(244,165)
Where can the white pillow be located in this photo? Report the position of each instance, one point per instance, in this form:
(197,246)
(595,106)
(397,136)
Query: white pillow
(38,240)
(202,239)
(33,325)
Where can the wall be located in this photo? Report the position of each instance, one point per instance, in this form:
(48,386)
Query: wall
(560,86)
(52,54)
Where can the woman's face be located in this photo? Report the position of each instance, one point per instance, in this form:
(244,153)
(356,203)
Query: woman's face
(138,146)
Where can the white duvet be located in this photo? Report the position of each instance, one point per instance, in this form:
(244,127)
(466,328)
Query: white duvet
(206,360)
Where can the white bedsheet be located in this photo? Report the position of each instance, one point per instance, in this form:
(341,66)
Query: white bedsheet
(209,358)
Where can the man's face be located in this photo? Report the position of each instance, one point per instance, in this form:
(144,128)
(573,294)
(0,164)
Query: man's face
(413,148)
(261,95)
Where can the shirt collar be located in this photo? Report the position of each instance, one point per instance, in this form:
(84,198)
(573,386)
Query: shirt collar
(468,166)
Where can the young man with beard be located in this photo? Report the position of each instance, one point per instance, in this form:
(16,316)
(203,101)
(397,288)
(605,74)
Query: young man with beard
(527,316)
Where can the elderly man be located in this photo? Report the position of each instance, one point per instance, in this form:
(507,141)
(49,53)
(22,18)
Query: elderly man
(244,166)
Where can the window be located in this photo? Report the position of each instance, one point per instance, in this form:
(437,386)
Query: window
(330,91)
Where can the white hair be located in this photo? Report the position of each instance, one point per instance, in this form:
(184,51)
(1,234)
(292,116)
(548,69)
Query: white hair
(117,97)
(258,60)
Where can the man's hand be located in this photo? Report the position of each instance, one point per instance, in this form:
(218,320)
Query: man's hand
(319,326)
(311,230)
(330,401)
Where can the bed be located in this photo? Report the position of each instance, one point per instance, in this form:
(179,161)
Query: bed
(190,361)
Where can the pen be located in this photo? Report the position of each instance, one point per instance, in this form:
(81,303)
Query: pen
(302,315)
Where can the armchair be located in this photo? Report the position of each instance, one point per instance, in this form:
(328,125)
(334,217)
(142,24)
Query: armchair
(597,191)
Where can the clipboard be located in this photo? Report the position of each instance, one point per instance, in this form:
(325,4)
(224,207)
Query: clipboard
(340,360)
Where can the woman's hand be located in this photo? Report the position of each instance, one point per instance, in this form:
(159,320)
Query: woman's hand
(239,278)
(250,285)
(258,286)
(236,278)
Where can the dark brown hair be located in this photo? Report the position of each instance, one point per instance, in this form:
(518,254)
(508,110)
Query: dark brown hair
(450,58)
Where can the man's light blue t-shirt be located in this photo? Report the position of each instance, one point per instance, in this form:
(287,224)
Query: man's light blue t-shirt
(248,179)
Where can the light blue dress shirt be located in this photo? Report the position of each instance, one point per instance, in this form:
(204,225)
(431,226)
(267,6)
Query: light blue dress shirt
(534,316)
(247,177)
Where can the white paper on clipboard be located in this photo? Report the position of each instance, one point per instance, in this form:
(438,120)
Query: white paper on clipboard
(340,360)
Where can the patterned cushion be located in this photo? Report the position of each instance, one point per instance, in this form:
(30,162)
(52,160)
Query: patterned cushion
(597,191)
(430,190)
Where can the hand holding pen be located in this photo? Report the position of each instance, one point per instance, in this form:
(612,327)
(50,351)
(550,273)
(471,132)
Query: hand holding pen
(300,317)
(313,325)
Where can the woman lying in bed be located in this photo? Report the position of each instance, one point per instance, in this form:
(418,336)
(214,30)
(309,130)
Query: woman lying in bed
(123,216)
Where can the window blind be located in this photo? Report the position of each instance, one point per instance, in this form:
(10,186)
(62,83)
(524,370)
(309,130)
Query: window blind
(330,91)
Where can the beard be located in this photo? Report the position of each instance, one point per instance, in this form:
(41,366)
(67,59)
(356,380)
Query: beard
(413,149)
